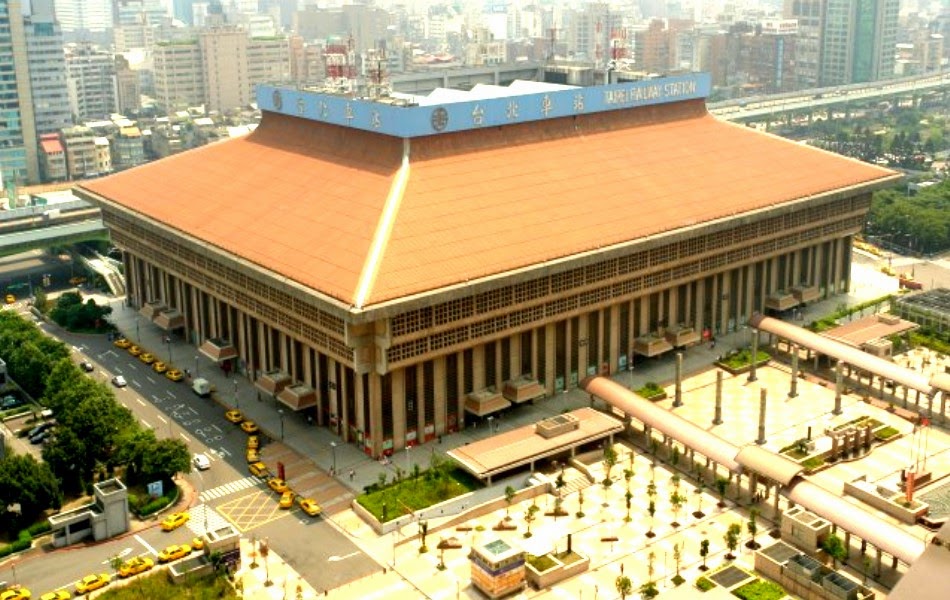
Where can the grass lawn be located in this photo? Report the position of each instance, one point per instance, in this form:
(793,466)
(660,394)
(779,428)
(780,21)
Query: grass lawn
(760,590)
(650,390)
(743,358)
(415,493)
(158,586)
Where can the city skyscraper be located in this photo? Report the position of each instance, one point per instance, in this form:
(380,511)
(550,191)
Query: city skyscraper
(85,20)
(858,41)
(47,66)
(18,155)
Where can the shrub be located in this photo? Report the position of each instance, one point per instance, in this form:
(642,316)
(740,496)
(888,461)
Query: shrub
(886,433)
(154,506)
(705,584)
(813,463)
(39,528)
(760,590)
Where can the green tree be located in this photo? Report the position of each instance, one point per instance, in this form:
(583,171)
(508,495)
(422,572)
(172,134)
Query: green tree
(529,517)
(610,460)
(676,503)
(753,527)
(29,483)
(28,366)
(731,538)
(509,498)
(624,586)
(721,485)
(835,548)
(651,509)
(168,458)
(704,552)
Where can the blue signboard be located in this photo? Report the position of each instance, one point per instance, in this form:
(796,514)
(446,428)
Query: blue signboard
(416,121)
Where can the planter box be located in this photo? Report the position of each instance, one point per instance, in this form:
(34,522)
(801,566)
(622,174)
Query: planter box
(741,370)
(558,572)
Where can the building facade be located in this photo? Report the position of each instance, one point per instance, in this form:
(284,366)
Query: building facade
(495,265)
(858,41)
(179,75)
(90,76)
(19,161)
(47,66)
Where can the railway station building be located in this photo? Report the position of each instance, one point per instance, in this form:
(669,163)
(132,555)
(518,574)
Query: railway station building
(397,267)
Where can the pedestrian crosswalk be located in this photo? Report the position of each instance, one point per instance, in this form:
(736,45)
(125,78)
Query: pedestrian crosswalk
(205,518)
(228,488)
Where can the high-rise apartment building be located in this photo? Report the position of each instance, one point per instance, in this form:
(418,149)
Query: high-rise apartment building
(18,148)
(233,63)
(810,17)
(85,20)
(859,38)
(90,75)
(178,74)
(47,67)
(183,10)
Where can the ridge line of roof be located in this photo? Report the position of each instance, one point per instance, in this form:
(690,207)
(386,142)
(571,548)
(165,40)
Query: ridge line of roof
(384,228)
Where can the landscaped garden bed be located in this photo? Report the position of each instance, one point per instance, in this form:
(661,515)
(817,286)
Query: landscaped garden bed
(740,361)
(760,589)
(651,391)
(415,491)
(547,569)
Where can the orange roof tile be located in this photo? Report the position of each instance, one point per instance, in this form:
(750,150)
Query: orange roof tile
(307,199)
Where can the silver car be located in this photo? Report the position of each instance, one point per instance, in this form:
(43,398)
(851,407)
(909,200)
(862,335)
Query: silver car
(201,462)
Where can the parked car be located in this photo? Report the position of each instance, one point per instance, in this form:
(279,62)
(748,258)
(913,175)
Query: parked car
(40,437)
(277,484)
(9,402)
(15,593)
(174,552)
(258,469)
(134,350)
(234,416)
(57,595)
(87,366)
(174,375)
(122,343)
(136,565)
(92,582)
(119,381)
(159,367)
(287,499)
(147,357)
(249,426)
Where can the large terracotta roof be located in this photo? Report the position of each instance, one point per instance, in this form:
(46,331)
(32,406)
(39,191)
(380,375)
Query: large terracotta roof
(340,211)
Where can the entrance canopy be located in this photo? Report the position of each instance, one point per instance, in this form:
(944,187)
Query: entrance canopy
(272,382)
(485,402)
(218,349)
(298,397)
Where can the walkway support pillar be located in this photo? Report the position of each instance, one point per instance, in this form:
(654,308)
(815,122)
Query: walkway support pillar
(717,419)
(839,384)
(877,563)
(755,353)
(793,387)
(762,399)
(678,394)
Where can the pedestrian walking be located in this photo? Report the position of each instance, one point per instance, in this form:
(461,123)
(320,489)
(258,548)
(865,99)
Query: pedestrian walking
(352,474)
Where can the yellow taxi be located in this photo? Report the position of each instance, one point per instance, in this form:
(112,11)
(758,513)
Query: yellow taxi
(122,343)
(174,552)
(57,595)
(309,506)
(10,299)
(277,484)
(147,358)
(136,565)
(234,416)
(197,543)
(253,442)
(159,367)
(92,582)
(134,350)
(252,455)
(287,499)
(174,374)
(175,520)
(15,593)
(249,426)
(258,469)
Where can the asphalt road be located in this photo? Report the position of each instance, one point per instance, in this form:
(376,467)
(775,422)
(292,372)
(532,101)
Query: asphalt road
(171,409)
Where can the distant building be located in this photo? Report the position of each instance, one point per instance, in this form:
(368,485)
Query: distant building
(858,41)
(127,148)
(81,159)
(128,86)
(85,20)
(234,63)
(18,148)
(178,75)
(47,65)
(90,75)
(808,45)
(52,157)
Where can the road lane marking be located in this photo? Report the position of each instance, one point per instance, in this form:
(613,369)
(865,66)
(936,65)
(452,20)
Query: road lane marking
(171,393)
(139,400)
(216,428)
(336,558)
(224,452)
(150,380)
(136,383)
(162,419)
(184,437)
(148,547)
(144,422)
(192,409)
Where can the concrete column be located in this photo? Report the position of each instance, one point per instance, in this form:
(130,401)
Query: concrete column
(398,387)
(699,304)
(877,563)
(514,356)
(438,376)
(584,351)
(839,384)
(613,359)
(725,301)
(717,420)
(762,399)
(943,407)
(793,387)
(550,358)
(755,352)
(678,397)
(478,368)
(905,395)
(847,545)
(775,501)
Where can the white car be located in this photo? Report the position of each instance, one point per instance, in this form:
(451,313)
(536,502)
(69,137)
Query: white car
(201,462)
(119,381)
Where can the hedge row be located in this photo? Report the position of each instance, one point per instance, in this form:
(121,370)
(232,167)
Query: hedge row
(25,538)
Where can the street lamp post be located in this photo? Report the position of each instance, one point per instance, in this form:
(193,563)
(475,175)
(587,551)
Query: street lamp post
(280,413)
(408,462)
(196,365)
(138,337)
(237,401)
(168,340)
(333,449)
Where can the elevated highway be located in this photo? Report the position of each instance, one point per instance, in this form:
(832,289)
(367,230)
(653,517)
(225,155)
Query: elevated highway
(764,106)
